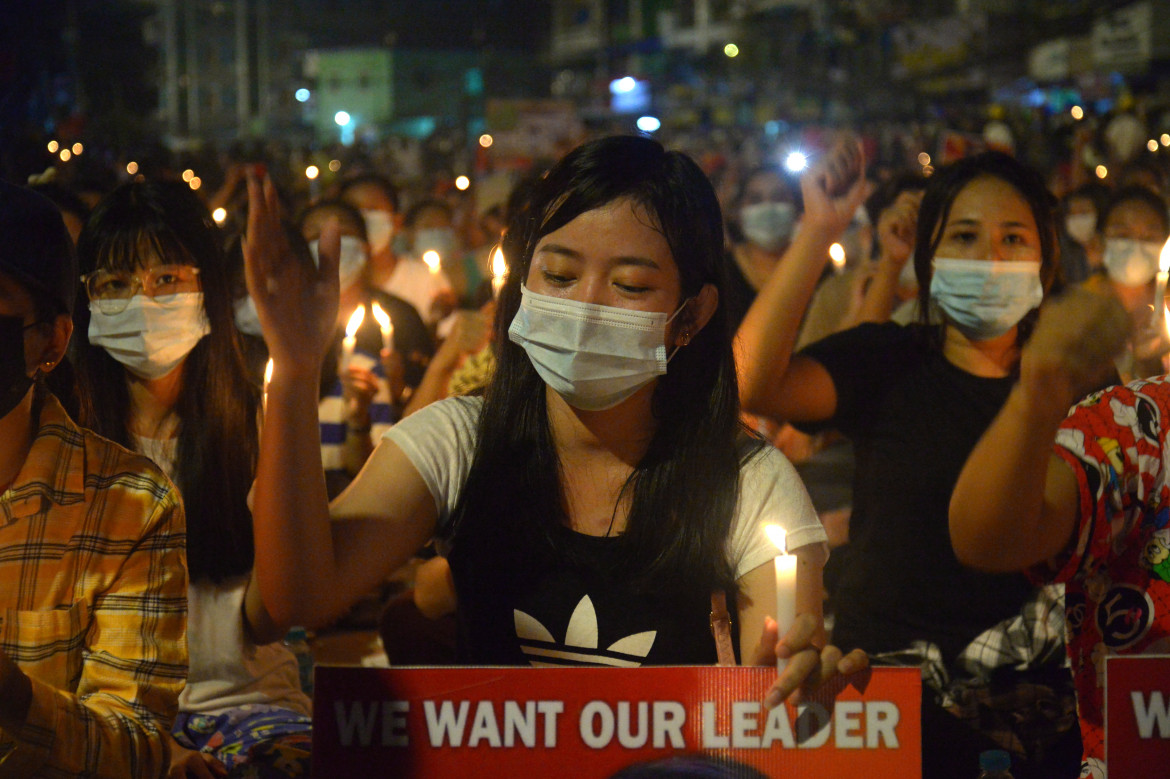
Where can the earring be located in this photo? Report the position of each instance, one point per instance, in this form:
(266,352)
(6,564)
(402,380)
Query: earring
(685,338)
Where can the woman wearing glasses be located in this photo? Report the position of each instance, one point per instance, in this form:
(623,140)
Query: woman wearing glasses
(160,372)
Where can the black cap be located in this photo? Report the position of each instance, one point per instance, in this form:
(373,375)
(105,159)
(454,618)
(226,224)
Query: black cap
(35,247)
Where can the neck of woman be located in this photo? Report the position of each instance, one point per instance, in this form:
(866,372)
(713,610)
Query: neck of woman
(994,358)
(152,404)
(757,263)
(622,432)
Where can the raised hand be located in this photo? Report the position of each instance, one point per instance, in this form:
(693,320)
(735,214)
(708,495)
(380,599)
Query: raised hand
(1071,350)
(897,226)
(834,187)
(296,301)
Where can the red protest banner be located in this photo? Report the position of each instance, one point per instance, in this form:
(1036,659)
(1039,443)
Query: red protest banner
(1137,714)
(507,722)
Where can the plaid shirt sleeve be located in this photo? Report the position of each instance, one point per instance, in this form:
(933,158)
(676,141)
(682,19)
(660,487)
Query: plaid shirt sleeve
(106,651)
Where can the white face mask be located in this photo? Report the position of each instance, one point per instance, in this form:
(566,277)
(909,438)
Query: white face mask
(1131,263)
(153,335)
(439,239)
(1081,227)
(985,299)
(247,320)
(353,259)
(593,356)
(379,228)
(769,224)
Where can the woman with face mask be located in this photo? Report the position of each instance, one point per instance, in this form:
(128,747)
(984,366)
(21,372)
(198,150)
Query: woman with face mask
(766,215)
(362,397)
(160,372)
(1134,226)
(915,400)
(1080,245)
(600,494)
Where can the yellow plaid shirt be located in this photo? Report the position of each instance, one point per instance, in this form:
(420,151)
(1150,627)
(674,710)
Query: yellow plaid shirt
(93,605)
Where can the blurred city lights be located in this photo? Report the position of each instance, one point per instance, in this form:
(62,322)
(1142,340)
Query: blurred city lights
(341,118)
(648,124)
(302,95)
(188,174)
(65,155)
(1152,145)
(1165,139)
(334,165)
(53,147)
(796,161)
(731,50)
(78,149)
(620,86)
(312,172)
(923,158)
(485,141)
(1077,112)
(1101,171)
(219,215)
(195,182)
(131,167)
(462,183)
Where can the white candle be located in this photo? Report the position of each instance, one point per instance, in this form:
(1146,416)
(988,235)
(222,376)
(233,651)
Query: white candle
(499,270)
(349,343)
(1160,287)
(384,322)
(267,380)
(433,261)
(785,586)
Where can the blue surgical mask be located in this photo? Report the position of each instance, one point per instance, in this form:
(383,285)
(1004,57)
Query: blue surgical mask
(351,260)
(593,356)
(982,298)
(1131,263)
(768,225)
(379,228)
(247,319)
(438,239)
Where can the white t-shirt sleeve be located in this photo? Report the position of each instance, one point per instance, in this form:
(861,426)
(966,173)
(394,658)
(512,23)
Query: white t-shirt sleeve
(771,492)
(439,440)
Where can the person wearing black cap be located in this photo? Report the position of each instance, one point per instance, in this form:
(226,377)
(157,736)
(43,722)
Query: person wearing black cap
(93,575)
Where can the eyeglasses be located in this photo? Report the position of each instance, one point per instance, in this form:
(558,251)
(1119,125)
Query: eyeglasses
(112,290)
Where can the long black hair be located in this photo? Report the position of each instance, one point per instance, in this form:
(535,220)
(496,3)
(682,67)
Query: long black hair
(217,406)
(941,191)
(682,495)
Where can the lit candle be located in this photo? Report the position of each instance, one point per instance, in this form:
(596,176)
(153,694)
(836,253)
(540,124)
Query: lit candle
(267,381)
(1160,288)
(432,259)
(384,322)
(837,255)
(785,585)
(499,270)
(349,343)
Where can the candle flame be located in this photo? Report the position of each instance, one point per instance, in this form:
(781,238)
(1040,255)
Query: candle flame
(777,535)
(380,316)
(1166,318)
(355,321)
(431,258)
(837,255)
(1164,257)
(268,372)
(499,264)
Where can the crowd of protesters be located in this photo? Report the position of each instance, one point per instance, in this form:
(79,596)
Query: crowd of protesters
(237,400)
